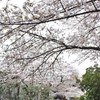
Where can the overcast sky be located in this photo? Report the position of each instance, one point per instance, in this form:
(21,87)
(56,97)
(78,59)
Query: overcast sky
(81,68)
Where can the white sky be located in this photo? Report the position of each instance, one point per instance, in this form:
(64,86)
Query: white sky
(81,68)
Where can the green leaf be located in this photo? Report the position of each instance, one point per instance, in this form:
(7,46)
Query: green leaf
(5,18)
(78,4)
(25,17)
(20,16)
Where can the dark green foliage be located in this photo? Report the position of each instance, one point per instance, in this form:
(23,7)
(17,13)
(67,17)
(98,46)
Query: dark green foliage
(36,92)
(90,83)
(45,93)
(22,92)
(80,98)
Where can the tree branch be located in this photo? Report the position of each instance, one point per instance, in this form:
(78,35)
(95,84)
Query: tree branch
(44,53)
(45,21)
(83,47)
(94,4)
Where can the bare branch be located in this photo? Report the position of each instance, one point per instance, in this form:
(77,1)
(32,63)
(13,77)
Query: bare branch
(63,6)
(94,4)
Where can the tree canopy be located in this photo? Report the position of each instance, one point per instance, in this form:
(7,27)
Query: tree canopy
(90,83)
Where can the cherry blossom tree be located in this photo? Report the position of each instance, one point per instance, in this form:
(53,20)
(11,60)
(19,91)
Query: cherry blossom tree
(36,37)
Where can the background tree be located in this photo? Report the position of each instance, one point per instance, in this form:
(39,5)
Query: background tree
(90,83)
